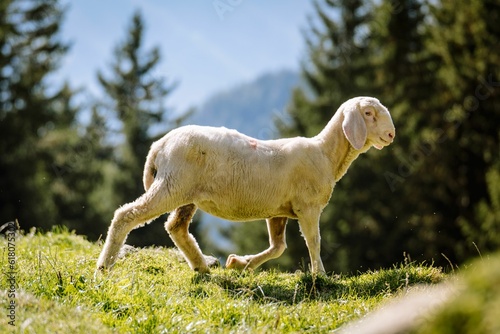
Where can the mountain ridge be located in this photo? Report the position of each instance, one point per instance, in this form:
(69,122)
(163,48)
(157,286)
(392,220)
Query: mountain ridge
(252,106)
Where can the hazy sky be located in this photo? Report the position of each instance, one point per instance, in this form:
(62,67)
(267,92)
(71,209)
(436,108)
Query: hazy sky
(206,45)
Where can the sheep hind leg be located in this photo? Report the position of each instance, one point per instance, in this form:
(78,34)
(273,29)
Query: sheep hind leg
(277,244)
(126,218)
(177,227)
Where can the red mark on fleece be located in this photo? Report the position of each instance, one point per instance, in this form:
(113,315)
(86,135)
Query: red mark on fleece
(253,143)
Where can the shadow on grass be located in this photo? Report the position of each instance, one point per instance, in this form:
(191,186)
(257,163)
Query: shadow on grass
(295,288)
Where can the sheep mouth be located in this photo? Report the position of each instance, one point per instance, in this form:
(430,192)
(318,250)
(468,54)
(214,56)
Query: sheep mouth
(383,143)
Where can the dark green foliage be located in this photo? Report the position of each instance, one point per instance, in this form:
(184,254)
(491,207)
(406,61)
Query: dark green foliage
(55,170)
(24,110)
(465,41)
(44,176)
(435,190)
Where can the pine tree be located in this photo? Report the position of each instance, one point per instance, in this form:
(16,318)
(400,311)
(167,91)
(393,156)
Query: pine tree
(463,38)
(30,110)
(96,135)
(136,98)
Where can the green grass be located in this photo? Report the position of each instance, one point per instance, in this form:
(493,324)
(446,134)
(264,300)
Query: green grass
(152,291)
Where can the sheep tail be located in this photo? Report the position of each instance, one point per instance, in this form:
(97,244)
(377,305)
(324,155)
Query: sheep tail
(150,168)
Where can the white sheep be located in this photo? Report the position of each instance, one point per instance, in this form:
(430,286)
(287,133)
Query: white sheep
(239,178)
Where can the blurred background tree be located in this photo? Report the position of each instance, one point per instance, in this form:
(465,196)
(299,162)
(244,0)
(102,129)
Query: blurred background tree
(135,99)
(41,139)
(464,38)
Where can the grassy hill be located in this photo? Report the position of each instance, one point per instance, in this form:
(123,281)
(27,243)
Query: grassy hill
(152,290)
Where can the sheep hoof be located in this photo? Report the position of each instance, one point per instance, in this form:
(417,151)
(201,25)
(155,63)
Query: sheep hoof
(202,270)
(98,272)
(102,266)
(238,262)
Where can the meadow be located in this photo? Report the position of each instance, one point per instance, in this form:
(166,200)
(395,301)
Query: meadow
(152,290)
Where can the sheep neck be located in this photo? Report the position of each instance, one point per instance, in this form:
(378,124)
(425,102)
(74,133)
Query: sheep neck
(337,147)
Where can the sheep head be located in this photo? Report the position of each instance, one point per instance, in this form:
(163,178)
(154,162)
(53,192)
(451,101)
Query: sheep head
(367,123)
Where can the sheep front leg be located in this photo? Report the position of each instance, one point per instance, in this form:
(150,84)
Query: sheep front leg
(177,227)
(309,226)
(277,244)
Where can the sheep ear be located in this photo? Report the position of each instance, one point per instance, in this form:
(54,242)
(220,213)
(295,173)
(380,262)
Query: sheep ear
(354,126)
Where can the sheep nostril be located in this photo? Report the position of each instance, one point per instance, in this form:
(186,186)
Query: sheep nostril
(390,135)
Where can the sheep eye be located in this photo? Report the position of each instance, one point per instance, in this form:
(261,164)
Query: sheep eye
(368,113)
